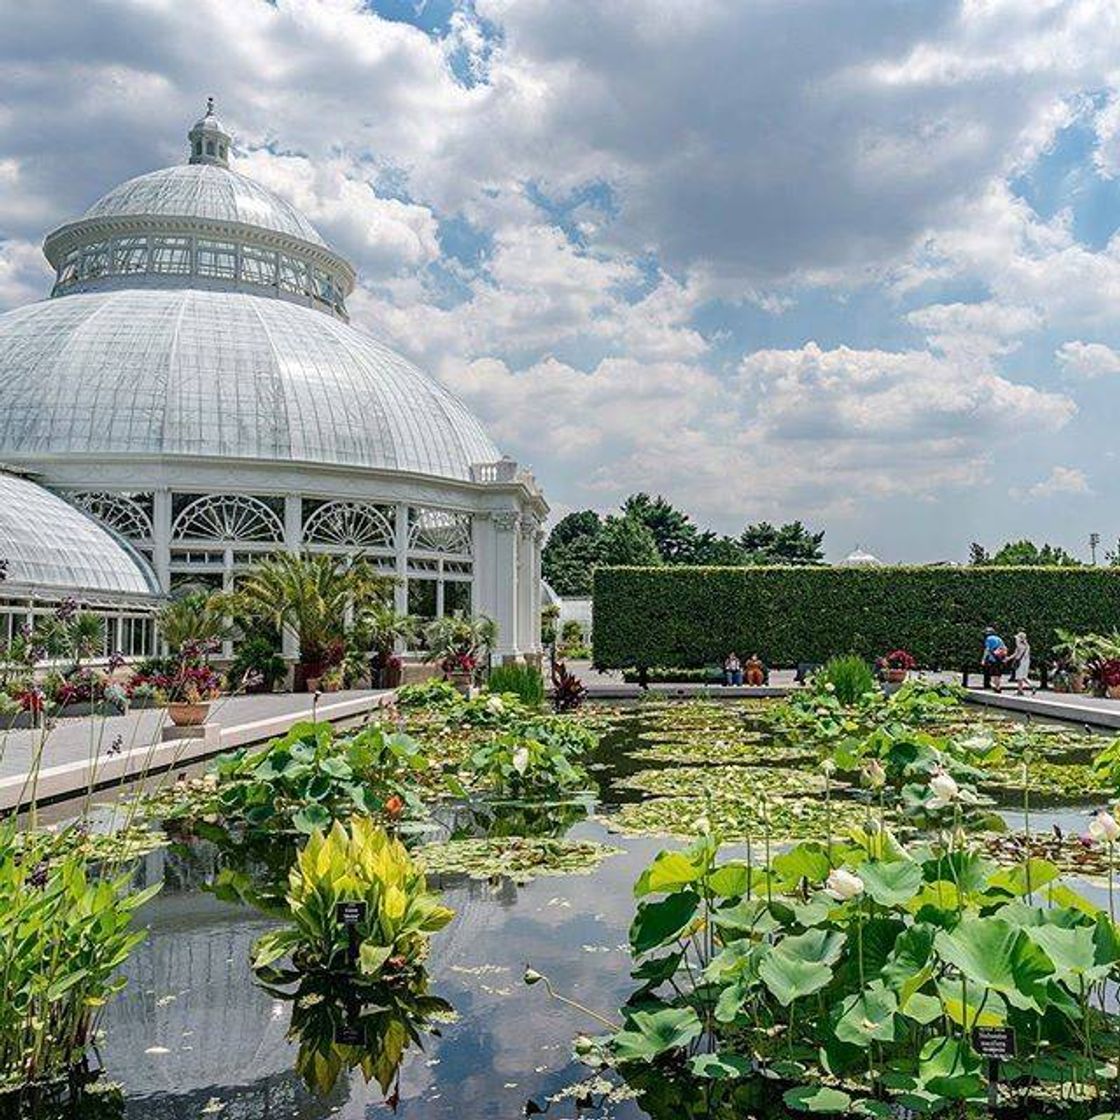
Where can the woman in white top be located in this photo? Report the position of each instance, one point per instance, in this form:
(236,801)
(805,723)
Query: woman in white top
(1021,658)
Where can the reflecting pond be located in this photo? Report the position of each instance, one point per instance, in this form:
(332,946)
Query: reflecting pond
(194,1034)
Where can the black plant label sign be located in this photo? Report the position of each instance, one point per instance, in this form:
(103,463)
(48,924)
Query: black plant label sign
(350,913)
(994,1043)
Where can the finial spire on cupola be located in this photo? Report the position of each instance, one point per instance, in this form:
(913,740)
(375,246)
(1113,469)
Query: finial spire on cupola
(209,139)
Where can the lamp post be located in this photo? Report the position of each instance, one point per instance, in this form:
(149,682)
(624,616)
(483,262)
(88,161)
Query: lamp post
(1094,540)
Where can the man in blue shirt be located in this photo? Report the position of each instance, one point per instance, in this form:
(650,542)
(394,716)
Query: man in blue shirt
(995,653)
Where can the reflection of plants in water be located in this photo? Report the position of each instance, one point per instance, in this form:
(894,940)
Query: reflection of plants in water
(517,818)
(359,905)
(85,1098)
(341,1026)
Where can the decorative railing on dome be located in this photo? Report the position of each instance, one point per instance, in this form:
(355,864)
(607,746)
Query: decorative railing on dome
(505,470)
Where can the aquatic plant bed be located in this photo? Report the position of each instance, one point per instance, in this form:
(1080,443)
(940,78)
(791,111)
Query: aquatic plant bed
(543,837)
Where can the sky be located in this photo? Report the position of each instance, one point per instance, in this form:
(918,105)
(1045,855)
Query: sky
(849,261)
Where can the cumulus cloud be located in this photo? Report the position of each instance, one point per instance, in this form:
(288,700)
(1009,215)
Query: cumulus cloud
(659,198)
(1087,359)
(1060,481)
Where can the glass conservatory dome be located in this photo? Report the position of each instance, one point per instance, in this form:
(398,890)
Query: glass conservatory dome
(187,320)
(185,372)
(207,191)
(49,545)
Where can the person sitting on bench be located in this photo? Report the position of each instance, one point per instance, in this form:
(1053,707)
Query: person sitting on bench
(732,669)
(755,674)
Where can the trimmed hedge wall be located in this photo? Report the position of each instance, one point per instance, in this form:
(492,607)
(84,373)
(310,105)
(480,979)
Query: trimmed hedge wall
(681,616)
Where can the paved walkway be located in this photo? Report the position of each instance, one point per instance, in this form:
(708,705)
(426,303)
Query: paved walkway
(1093,710)
(105,750)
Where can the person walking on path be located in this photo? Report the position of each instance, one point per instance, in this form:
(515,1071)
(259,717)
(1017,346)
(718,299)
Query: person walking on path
(995,654)
(732,669)
(1021,663)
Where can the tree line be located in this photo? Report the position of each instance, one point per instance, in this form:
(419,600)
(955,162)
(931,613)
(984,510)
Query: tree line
(652,531)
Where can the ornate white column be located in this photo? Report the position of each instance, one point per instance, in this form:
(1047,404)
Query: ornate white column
(400,543)
(526,638)
(161,538)
(505,569)
(293,542)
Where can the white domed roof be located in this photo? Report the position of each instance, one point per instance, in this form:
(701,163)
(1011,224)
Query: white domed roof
(223,374)
(48,544)
(204,191)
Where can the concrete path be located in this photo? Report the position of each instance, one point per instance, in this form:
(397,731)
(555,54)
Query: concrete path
(1093,710)
(78,752)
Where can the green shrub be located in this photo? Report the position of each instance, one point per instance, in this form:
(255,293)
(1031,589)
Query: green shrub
(691,617)
(523,681)
(850,677)
(256,658)
(429,694)
(64,934)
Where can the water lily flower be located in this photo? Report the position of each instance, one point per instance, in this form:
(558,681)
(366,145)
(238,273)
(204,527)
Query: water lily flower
(843,885)
(495,705)
(874,774)
(394,806)
(1104,827)
(828,766)
(521,759)
(944,789)
(829,686)
(703,826)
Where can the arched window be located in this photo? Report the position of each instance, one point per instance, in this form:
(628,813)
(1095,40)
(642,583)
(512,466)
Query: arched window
(209,147)
(227,518)
(439,530)
(350,524)
(198,147)
(127,515)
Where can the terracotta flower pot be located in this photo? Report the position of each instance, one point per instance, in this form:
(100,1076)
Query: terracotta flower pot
(1113,692)
(188,715)
(896,676)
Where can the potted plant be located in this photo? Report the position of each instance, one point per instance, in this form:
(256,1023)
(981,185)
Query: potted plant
(257,665)
(1105,674)
(458,644)
(308,597)
(331,680)
(897,664)
(382,630)
(194,688)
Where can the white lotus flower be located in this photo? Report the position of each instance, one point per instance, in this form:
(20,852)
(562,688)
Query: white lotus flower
(521,759)
(843,885)
(944,789)
(874,773)
(702,825)
(828,766)
(1104,827)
